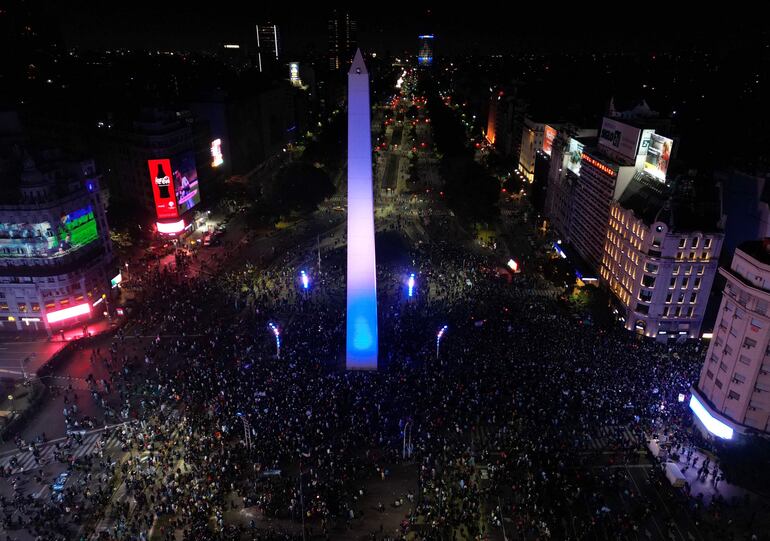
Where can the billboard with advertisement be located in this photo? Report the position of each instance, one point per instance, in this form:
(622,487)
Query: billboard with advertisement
(73,231)
(549,134)
(574,155)
(216,153)
(163,189)
(185,177)
(658,156)
(174,185)
(619,137)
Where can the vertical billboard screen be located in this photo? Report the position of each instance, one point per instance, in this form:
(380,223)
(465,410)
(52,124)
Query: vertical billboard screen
(574,155)
(549,134)
(658,156)
(619,137)
(163,189)
(174,185)
(185,177)
(216,153)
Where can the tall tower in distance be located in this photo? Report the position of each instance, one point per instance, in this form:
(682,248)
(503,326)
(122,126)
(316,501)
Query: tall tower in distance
(342,39)
(361,330)
(268,46)
(425,54)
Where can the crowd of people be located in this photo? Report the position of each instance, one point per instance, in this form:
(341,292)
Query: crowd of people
(228,440)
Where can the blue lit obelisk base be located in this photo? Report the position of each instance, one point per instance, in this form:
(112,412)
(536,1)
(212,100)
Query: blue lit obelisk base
(361,337)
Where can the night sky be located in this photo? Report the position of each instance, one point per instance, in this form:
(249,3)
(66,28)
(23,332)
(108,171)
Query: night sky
(186,25)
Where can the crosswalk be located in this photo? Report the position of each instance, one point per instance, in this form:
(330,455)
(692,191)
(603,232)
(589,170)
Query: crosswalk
(605,437)
(537,292)
(25,460)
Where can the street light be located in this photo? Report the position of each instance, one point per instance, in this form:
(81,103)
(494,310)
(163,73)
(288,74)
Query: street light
(410,285)
(438,338)
(10,397)
(277,334)
(305,280)
(246,428)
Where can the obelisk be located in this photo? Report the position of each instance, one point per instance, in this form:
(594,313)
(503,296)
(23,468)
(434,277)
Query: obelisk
(361,336)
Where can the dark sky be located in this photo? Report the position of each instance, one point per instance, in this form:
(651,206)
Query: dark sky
(171,24)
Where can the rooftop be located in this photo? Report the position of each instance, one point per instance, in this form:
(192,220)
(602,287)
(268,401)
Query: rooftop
(757,249)
(686,204)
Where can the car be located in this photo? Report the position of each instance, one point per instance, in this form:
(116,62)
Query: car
(58,485)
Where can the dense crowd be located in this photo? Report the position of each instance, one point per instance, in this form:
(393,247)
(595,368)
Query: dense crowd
(222,424)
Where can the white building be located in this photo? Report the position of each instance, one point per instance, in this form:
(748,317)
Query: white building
(733,392)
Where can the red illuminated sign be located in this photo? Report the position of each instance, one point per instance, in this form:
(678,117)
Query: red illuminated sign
(69,313)
(599,165)
(163,188)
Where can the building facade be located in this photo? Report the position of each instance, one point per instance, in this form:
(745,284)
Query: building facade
(343,39)
(563,173)
(56,258)
(268,47)
(659,272)
(733,392)
(531,142)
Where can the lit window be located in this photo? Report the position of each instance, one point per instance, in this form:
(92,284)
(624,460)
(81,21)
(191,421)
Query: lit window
(35,307)
(22,306)
(676,270)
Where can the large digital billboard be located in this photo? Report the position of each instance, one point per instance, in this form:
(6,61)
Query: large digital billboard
(620,137)
(174,185)
(163,189)
(574,155)
(549,134)
(658,156)
(44,239)
(216,153)
(185,181)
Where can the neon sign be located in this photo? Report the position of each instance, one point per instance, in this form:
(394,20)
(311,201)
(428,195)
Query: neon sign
(599,165)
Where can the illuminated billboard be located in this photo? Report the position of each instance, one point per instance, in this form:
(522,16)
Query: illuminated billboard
(712,424)
(174,185)
(171,228)
(549,134)
(573,157)
(185,181)
(216,153)
(44,239)
(658,156)
(69,313)
(294,74)
(619,137)
(163,189)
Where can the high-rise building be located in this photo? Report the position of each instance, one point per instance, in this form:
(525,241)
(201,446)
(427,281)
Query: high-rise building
(425,52)
(343,39)
(268,46)
(56,259)
(605,172)
(733,392)
(503,131)
(661,252)
(563,172)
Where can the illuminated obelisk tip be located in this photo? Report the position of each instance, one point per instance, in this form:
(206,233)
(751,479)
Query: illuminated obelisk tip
(361,337)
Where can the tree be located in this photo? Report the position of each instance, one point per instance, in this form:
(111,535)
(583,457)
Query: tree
(300,186)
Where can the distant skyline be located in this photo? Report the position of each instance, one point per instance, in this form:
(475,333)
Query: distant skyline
(175,25)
